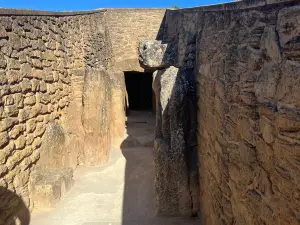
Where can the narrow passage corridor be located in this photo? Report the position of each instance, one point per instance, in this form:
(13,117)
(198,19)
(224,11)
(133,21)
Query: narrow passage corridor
(120,192)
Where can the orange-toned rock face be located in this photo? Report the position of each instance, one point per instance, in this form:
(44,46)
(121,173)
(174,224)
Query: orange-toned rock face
(95,118)
(247,70)
(249,121)
(103,115)
(117,108)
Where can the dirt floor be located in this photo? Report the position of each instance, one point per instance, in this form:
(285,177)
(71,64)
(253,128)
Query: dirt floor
(120,192)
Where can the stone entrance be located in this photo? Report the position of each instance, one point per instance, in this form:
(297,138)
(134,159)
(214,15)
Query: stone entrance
(139,90)
(226,142)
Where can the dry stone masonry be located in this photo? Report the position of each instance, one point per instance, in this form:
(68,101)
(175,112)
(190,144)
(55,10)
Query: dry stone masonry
(47,66)
(244,58)
(227,88)
(248,98)
(127,27)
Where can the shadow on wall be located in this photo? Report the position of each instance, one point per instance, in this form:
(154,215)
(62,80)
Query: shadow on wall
(138,195)
(175,171)
(13,210)
(175,148)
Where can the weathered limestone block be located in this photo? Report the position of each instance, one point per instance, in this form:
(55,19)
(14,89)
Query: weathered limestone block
(176,177)
(4,139)
(35,54)
(20,142)
(3,62)
(8,100)
(95,117)
(73,122)
(30,100)
(248,99)
(53,154)
(7,123)
(156,54)
(3,78)
(117,108)
(16,131)
(11,110)
(47,188)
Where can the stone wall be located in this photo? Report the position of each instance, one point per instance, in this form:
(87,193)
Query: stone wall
(37,54)
(247,70)
(127,27)
(60,103)
(46,61)
(244,59)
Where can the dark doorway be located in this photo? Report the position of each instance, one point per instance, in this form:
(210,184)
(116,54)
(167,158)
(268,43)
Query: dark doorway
(139,90)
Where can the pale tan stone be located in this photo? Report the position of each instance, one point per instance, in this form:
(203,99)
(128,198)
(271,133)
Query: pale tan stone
(24,114)
(19,100)
(29,139)
(16,131)
(20,142)
(14,76)
(8,100)
(36,143)
(35,85)
(11,110)
(7,123)
(245,57)
(4,139)
(30,100)
(3,78)
(25,85)
(30,125)
(40,129)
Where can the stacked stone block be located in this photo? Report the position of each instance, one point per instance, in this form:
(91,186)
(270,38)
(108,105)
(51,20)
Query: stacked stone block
(38,55)
(247,61)
(35,57)
(127,27)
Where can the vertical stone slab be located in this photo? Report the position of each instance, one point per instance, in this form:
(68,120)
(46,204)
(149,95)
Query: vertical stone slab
(170,152)
(117,108)
(53,154)
(73,123)
(175,154)
(95,119)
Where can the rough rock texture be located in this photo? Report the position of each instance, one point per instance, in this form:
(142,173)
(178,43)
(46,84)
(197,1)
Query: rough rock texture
(117,108)
(36,55)
(47,188)
(44,60)
(155,54)
(249,117)
(170,153)
(52,153)
(95,117)
(245,57)
(248,98)
(246,64)
(175,158)
(127,27)
(73,127)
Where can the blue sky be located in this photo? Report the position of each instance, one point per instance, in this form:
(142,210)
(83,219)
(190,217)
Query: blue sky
(61,5)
